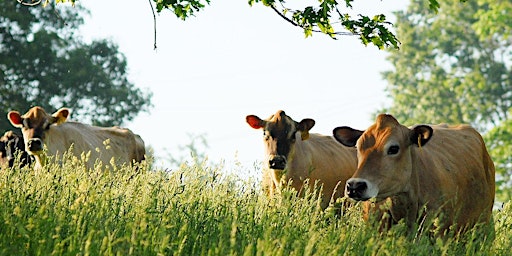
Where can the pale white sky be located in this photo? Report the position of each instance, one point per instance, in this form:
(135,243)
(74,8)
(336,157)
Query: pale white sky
(232,60)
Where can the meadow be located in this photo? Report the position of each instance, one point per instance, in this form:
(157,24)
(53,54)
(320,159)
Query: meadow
(198,209)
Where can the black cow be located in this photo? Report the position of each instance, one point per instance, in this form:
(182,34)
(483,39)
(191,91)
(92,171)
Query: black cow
(10,146)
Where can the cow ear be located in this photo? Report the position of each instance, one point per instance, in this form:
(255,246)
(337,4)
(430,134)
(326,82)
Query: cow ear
(254,121)
(304,126)
(346,135)
(421,134)
(60,116)
(15,119)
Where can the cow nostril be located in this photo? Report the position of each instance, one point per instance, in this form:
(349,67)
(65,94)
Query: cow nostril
(357,185)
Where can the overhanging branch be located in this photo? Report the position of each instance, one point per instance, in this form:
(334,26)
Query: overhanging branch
(313,30)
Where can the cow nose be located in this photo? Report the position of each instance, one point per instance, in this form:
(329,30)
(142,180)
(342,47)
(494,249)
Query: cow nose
(35,145)
(355,189)
(277,162)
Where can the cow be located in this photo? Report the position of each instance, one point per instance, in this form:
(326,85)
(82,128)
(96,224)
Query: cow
(41,130)
(10,146)
(423,172)
(292,153)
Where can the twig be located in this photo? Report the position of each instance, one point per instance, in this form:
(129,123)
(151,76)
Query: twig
(154,23)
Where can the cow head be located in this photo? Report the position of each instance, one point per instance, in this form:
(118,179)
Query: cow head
(279,136)
(384,158)
(34,125)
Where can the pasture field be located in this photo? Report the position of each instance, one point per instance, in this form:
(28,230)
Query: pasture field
(197,210)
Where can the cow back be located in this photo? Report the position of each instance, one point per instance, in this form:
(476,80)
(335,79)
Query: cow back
(103,143)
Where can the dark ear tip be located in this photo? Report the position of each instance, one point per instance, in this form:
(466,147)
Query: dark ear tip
(346,135)
(422,134)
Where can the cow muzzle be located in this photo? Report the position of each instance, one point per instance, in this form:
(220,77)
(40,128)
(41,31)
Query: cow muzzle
(277,162)
(34,145)
(357,189)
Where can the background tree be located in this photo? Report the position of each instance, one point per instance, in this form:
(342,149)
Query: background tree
(454,67)
(43,62)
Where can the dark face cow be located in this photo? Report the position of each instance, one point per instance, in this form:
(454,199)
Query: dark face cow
(292,153)
(12,146)
(445,169)
(52,132)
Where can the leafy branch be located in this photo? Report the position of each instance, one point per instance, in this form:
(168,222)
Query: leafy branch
(319,18)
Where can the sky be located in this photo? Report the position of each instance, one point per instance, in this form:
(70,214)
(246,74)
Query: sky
(231,60)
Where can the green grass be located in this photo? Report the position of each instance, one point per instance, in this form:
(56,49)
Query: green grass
(196,210)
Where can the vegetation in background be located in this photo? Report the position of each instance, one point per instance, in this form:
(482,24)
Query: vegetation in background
(43,62)
(195,210)
(456,67)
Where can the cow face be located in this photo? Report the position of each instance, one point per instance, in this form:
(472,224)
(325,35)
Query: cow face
(384,158)
(279,136)
(34,125)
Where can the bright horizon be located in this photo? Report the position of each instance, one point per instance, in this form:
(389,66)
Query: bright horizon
(232,60)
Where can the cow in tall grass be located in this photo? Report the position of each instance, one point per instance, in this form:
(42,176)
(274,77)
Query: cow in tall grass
(12,147)
(292,153)
(427,170)
(53,132)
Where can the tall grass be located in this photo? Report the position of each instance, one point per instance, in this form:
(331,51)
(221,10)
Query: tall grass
(196,210)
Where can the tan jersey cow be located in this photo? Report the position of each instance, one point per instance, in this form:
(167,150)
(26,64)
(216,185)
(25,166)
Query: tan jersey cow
(293,153)
(53,132)
(445,169)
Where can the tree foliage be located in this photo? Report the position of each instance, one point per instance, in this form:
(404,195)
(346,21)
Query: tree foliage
(322,17)
(446,72)
(455,67)
(325,16)
(43,62)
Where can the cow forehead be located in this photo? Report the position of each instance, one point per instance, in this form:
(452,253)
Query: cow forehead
(37,116)
(279,123)
(376,136)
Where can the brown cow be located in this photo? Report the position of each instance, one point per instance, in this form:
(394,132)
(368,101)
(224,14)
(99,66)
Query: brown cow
(445,169)
(104,143)
(293,153)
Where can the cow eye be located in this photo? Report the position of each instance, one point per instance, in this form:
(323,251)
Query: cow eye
(46,125)
(393,150)
(26,123)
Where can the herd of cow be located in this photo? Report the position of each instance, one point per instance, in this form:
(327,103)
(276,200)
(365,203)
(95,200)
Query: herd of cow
(415,172)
